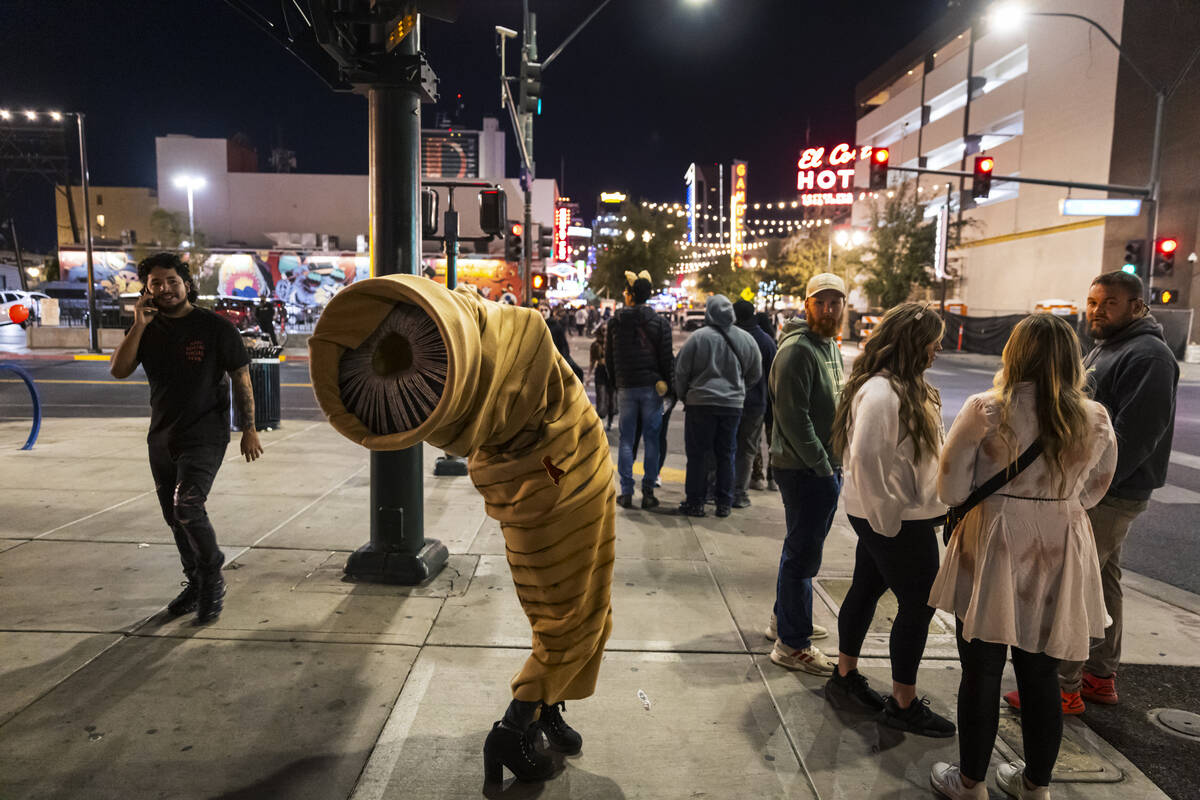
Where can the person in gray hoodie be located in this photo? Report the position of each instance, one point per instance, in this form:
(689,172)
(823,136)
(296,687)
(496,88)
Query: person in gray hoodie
(1132,373)
(712,372)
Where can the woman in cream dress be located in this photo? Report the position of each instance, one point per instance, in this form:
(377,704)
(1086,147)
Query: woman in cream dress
(1021,569)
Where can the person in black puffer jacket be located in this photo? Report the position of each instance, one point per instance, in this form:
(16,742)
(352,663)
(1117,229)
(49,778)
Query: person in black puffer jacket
(638,355)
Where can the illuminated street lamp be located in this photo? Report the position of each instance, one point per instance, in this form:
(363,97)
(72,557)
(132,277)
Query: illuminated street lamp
(192,183)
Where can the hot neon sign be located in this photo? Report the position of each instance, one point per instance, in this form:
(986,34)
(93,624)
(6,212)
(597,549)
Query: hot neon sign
(825,176)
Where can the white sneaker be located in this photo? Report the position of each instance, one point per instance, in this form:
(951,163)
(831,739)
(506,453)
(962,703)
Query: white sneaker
(772,629)
(946,780)
(810,659)
(1010,778)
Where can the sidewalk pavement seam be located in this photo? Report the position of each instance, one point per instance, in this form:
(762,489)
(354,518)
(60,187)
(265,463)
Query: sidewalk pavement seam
(376,774)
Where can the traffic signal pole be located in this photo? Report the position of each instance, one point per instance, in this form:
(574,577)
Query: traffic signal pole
(398,551)
(1160,102)
(529,47)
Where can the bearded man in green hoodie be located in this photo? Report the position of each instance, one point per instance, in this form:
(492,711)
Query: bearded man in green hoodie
(806,379)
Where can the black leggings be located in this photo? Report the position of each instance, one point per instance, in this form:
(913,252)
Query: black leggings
(906,563)
(979,707)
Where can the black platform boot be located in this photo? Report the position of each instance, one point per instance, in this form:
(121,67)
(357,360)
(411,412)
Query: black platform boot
(212,597)
(185,601)
(562,737)
(510,744)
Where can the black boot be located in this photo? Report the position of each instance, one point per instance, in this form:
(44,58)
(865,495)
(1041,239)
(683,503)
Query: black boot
(562,737)
(185,601)
(212,597)
(510,744)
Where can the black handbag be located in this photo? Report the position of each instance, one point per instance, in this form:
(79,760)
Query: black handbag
(955,514)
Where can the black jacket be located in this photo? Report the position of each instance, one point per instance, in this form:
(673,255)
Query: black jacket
(1134,375)
(756,395)
(637,348)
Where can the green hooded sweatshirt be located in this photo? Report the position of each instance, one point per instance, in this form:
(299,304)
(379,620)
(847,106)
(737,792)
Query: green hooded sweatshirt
(806,379)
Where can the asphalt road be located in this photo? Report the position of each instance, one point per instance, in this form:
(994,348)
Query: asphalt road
(1164,543)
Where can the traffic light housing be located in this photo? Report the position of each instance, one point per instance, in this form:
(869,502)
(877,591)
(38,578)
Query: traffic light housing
(1164,297)
(531,86)
(1164,256)
(493,211)
(982,183)
(537,285)
(513,250)
(1135,256)
(546,245)
(878,168)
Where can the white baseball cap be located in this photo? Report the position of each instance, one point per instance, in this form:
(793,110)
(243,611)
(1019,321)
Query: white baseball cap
(823,281)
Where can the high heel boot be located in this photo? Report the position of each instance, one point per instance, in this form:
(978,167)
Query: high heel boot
(510,744)
(562,737)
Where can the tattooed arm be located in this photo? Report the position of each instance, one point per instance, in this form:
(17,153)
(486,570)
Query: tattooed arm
(243,399)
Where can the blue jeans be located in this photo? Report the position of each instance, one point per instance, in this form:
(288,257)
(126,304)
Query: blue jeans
(639,403)
(809,502)
(710,432)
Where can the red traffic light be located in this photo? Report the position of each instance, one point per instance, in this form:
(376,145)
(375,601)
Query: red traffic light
(881,155)
(1168,245)
(986,164)
(538,281)
(517,228)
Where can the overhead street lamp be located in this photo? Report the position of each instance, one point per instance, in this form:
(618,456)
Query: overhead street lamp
(1007,16)
(193,183)
(29,115)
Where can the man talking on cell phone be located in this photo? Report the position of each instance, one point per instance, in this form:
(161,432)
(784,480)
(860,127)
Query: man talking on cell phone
(186,353)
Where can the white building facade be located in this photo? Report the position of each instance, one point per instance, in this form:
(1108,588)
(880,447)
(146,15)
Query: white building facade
(1043,101)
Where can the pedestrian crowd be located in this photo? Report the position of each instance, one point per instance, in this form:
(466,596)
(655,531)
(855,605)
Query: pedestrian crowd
(1034,489)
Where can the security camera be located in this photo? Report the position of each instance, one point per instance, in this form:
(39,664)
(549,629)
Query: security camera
(505,33)
(1192,257)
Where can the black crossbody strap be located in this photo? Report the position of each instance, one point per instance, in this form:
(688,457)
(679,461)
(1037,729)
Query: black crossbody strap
(725,336)
(1001,478)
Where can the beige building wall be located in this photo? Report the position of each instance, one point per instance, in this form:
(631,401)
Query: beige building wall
(124,208)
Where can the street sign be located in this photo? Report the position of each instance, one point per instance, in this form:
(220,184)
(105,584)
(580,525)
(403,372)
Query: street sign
(1100,206)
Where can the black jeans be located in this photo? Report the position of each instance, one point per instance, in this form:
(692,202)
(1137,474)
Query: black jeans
(979,707)
(907,564)
(182,481)
(710,430)
(809,502)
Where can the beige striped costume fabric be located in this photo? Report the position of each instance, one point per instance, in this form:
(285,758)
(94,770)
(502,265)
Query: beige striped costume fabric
(536,451)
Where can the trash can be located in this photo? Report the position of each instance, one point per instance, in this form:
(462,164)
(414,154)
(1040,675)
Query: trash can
(264,380)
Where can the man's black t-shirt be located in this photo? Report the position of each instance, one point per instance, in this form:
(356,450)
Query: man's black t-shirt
(186,361)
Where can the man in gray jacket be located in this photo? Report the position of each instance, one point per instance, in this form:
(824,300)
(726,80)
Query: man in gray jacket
(712,372)
(1133,374)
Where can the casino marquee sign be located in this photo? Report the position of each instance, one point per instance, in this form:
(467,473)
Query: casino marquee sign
(825,175)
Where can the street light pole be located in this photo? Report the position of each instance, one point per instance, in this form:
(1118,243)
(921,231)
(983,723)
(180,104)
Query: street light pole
(191,215)
(93,323)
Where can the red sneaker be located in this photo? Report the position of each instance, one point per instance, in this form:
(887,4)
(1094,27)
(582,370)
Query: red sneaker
(1100,690)
(1071,702)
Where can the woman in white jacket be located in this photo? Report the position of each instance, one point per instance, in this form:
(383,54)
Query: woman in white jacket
(888,430)
(1021,569)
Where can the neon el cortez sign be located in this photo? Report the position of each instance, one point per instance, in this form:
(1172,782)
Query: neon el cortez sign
(825,176)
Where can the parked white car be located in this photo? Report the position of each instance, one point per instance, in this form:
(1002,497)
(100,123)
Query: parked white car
(30,300)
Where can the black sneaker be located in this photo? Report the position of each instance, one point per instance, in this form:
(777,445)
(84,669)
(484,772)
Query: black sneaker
(648,499)
(854,688)
(741,501)
(625,500)
(689,510)
(722,511)
(918,718)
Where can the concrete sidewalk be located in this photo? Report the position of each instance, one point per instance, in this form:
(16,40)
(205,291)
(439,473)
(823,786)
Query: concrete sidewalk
(312,687)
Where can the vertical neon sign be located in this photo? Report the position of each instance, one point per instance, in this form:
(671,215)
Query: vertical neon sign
(562,221)
(737,212)
(689,180)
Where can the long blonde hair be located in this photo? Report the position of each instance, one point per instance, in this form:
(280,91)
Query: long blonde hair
(899,345)
(1044,350)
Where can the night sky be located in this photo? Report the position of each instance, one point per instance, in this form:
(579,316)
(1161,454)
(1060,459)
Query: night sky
(647,88)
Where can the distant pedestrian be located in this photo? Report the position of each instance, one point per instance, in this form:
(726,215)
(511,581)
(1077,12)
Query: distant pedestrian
(580,321)
(638,352)
(557,325)
(804,384)
(1134,375)
(888,434)
(1021,570)
(606,389)
(187,353)
(754,408)
(716,366)
(761,468)
(264,315)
